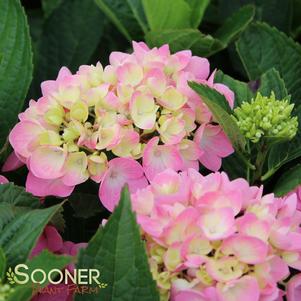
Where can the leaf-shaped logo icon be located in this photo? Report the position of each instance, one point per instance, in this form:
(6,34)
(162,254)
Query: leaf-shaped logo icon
(10,276)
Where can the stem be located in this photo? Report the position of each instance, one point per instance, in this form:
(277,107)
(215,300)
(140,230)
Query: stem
(262,153)
(248,167)
(268,174)
(246,161)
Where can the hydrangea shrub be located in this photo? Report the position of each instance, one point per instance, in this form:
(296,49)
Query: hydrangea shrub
(176,178)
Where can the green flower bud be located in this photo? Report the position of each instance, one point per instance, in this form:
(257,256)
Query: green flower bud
(266,117)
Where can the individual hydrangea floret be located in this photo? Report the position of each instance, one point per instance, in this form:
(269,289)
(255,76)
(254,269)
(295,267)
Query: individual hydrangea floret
(212,239)
(266,117)
(138,108)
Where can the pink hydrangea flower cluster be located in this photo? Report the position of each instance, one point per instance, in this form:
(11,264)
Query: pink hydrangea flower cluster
(212,239)
(138,107)
(53,242)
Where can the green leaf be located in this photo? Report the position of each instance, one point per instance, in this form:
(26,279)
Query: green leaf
(16,64)
(211,96)
(234,167)
(166,14)
(271,81)
(49,6)
(20,233)
(241,90)
(119,254)
(58,220)
(198,9)
(35,21)
(285,152)
(127,15)
(296,26)
(8,212)
(17,196)
(47,261)
(15,200)
(70,37)
(262,47)
(20,293)
(180,39)
(288,181)
(276,13)
(235,24)
(2,264)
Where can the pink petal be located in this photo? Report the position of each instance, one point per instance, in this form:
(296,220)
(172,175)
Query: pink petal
(150,225)
(117,58)
(22,136)
(182,290)
(157,158)
(67,247)
(54,239)
(3,180)
(199,67)
(229,94)
(47,162)
(77,247)
(214,139)
(140,49)
(12,163)
(289,206)
(211,161)
(75,169)
(190,295)
(210,80)
(143,201)
(247,249)
(218,199)
(294,288)
(164,51)
(178,230)
(64,72)
(214,144)
(48,87)
(170,187)
(217,224)
(40,246)
(130,74)
(41,187)
(275,295)
(249,224)
(274,270)
(121,171)
(183,58)
(243,289)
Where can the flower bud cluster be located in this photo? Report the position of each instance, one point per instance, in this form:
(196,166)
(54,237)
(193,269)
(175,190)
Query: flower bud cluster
(266,117)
